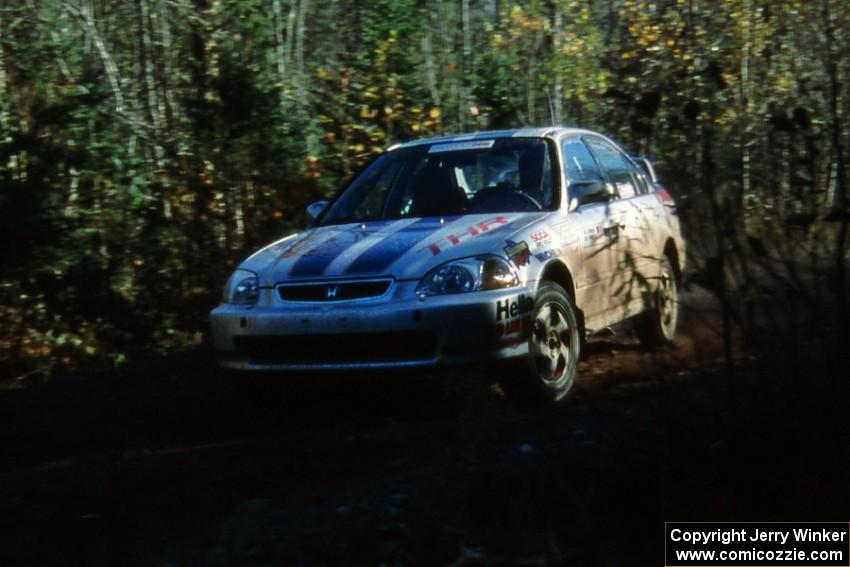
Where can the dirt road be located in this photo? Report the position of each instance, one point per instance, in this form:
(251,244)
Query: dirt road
(166,463)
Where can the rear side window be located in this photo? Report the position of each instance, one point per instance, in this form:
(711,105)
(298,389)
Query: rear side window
(578,163)
(620,171)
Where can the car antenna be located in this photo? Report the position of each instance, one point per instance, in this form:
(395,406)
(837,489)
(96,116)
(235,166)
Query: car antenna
(551,110)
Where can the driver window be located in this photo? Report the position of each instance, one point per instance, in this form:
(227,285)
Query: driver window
(618,168)
(578,163)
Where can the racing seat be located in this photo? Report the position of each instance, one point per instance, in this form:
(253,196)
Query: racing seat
(435,195)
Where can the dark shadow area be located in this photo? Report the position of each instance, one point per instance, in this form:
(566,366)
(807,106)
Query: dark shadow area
(167,460)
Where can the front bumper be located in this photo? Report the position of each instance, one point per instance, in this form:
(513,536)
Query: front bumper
(395,331)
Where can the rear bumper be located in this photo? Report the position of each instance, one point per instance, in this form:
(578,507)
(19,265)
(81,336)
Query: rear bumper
(396,331)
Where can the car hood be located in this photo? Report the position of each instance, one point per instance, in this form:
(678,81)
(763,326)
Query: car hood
(403,248)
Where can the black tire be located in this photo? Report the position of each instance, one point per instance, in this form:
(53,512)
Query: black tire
(554,349)
(656,327)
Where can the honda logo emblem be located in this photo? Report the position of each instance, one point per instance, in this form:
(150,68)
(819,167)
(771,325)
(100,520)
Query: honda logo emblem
(331,292)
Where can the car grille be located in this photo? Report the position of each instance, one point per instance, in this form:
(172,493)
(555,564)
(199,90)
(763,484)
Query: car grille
(399,346)
(333,291)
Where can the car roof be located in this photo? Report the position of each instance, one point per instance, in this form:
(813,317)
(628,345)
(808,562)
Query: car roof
(543,132)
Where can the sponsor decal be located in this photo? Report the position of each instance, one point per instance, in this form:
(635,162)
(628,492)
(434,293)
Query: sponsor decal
(569,240)
(511,327)
(546,255)
(591,235)
(509,308)
(566,234)
(473,145)
(517,252)
(540,236)
(470,231)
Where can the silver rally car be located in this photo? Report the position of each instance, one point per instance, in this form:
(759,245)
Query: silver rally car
(471,248)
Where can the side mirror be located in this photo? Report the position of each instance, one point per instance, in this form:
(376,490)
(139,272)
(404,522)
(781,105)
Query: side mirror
(584,192)
(647,167)
(315,209)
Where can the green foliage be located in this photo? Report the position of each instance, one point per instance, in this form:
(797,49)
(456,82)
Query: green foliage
(146,146)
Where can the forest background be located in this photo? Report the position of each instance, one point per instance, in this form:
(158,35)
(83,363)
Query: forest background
(146,146)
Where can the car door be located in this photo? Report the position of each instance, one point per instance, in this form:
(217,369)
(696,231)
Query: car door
(644,228)
(630,277)
(594,226)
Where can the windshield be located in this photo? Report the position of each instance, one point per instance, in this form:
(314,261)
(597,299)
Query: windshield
(447,179)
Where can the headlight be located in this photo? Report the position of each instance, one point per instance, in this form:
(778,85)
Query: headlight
(469,274)
(243,288)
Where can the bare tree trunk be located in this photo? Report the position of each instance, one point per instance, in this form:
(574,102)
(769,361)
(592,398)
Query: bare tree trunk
(468,67)
(467,34)
(840,201)
(149,80)
(531,90)
(239,212)
(291,20)
(457,93)
(299,50)
(4,112)
(73,194)
(430,69)
(157,62)
(448,60)
(280,51)
(59,14)
(493,10)
(557,46)
(745,106)
(86,12)
(172,110)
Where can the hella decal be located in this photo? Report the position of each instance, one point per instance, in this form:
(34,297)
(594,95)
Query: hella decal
(510,308)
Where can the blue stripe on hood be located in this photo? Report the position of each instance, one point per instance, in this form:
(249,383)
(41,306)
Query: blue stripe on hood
(316,260)
(382,255)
